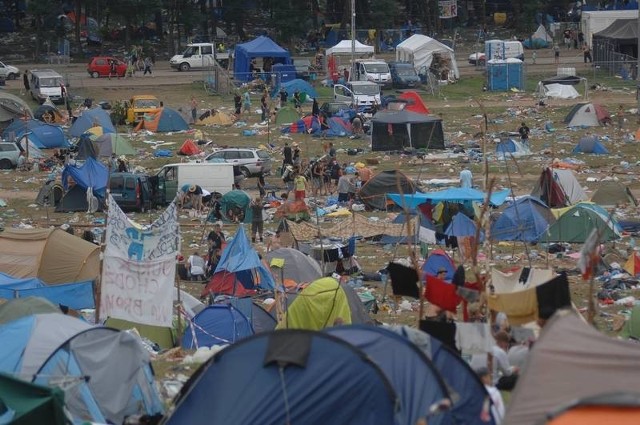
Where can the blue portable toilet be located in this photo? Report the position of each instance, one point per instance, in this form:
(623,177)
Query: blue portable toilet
(515,73)
(283,72)
(503,75)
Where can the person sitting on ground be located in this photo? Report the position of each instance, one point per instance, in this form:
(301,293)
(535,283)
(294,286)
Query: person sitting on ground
(501,366)
(196,267)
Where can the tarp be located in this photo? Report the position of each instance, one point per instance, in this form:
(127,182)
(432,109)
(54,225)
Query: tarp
(420,49)
(587,115)
(344,48)
(454,194)
(552,364)
(590,144)
(374,192)
(524,220)
(560,91)
(217,324)
(260,47)
(52,255)
(27,403)
(611,193)
(91,118)
(44,136)
(91,174)
(412,374)
(297,266)
(397,130)
(163,121)
(319,373)
(75,295)
(240,260)
(12,107)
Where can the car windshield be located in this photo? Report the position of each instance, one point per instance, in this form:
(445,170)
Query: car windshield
(147,103)
(376,68)
(190,51)
(405,71)
(51,82)
(371,89)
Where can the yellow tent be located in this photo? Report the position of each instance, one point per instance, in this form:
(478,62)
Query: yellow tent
(218,118)
(96,130)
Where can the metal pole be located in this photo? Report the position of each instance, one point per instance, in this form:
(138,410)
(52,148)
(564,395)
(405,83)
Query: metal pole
(353,37)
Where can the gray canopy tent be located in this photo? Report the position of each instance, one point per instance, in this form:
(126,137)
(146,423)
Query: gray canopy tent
(399,130)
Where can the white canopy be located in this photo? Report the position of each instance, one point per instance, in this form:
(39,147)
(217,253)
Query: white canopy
(419,49)
(560,91)
(344,48)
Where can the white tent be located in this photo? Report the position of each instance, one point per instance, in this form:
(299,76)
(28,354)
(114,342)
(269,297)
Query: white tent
(559,91)
(419,49)
(344,48)
(542,34)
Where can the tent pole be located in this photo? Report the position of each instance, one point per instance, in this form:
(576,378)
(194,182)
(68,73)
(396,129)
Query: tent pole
(98,288)
(179,307)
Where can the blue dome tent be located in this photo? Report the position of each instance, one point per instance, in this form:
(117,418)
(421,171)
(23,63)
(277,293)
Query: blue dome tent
(524,220)
(590,144)
(42,135)
(91,118)
(216,325)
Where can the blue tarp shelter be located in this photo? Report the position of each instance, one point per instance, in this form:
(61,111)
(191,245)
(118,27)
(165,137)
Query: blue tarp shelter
(261,47)
(439,259)
(469,406)
(217,324)
(412,375)
(454,194)
(42,135)
(241,262)
(91,118)
(325,379)
(590,144)
(524,220)
(77,295)
(90,174)
(301,86)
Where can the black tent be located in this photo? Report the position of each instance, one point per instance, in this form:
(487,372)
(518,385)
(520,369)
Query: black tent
(85,148)
(373,193)
(75,200)
(397,130)
(50,193)
(619,37)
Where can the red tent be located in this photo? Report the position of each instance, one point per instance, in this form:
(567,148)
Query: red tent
(226,283)
(188,148)
(632,266)
(414,102)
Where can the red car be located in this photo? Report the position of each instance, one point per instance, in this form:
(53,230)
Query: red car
(100,66)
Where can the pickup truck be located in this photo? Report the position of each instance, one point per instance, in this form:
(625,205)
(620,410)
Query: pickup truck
(139,105)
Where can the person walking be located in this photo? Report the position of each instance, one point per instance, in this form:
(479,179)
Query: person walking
(315,108)
(246,102)
(287,157)
(556,53)
(264,106)
(257,222)
(147,66)
(586,52)
(237,103)
(297,155)
(524,134)
(297,101)
(113,69)
(299,186)
(283,97)
(620,118)
(194,109)
(466,178)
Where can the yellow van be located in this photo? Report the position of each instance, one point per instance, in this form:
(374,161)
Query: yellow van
(138,106)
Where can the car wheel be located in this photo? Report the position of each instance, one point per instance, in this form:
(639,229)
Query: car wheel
(5,164)
(245,172)
(95,74)
(12,76)
(184,66)
(481,62)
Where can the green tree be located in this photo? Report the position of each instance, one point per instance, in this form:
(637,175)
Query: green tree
(39,9)
(289,19)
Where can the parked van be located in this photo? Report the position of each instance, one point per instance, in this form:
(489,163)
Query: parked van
(46,83)
(132,191)
(499,49)
(374,70)
(363,95)
(403,75)
(213,177)
(198,55)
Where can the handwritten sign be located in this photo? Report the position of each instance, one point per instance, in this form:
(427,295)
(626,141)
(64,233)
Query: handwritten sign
(138,269)
(448,9)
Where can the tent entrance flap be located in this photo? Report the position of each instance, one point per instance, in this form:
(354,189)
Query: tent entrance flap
(287,350)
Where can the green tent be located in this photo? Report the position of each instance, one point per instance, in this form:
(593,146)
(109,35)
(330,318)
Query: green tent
(575,225)
(234,206)
(162,336)
(24,403)
(287,115)
(20,307)
(631,328)
(322,304)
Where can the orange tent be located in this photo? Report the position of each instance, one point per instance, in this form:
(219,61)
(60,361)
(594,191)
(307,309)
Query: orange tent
(188,148)
(414,102)
(632,266)
(165,120)
(597,415)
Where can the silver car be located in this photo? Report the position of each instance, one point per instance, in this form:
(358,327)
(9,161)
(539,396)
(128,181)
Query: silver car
(9,154)
(9,72)
(252,161)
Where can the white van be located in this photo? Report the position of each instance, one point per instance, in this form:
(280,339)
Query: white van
(374,70)
(198,55)
(213,177)
(363,95)
(499,49)
(46,83)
